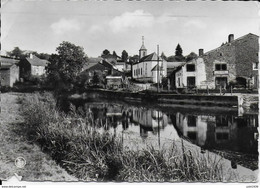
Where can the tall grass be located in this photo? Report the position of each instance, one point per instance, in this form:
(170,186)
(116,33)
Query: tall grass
(90,155)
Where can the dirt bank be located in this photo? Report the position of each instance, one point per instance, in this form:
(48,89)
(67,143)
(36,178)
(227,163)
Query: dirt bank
(39,166)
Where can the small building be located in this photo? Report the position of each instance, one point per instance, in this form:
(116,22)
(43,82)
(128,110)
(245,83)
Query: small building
(172,67)
(191,74)
(116,61)
(32,66)
(9,71)
(114,82)
(97,70)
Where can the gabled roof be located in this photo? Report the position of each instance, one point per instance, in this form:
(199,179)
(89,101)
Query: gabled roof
(4,59)
(173,65)
(150,57)
(7,63)
(91,62)
(232,42)
(35,61)
(155,68)
(5,66)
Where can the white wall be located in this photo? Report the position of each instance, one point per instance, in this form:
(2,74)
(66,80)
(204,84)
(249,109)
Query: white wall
(199,74)
(146,73)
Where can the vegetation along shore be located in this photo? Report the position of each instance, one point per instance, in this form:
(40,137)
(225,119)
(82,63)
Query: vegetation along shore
(73,142)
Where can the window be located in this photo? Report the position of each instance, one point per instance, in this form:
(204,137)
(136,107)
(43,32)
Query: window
(220,67)
(191,121)
(141,71)
(255,66)
(190,67)
(221,121)
(179,81)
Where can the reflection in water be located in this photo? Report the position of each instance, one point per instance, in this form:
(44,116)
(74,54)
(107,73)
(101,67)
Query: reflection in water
(222,132)
(219,132)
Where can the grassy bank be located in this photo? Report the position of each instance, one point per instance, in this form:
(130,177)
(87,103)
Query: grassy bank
(72,141)
(39,166)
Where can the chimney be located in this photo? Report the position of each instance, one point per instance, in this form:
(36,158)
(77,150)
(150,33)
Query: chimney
(201,52)
(230,38)
(31,56)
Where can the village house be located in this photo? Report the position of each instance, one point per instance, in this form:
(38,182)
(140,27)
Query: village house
(117,61)
(100,72)
(9,71)
(232,64)
(147,69)
(32,66)
(172,67)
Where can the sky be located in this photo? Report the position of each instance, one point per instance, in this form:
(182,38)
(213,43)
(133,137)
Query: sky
(119,25)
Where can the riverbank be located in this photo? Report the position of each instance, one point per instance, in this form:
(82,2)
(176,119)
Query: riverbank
(166,98)
(72,140)
(39,166)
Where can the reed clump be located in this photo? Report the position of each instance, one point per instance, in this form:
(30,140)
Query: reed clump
(90,155)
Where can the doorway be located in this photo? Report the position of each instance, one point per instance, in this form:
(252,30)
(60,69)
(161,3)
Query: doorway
(221,82)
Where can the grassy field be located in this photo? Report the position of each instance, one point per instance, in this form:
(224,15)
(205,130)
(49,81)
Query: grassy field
(14,143)
(72,141)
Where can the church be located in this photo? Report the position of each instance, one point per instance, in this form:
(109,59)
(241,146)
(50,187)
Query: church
(149,68)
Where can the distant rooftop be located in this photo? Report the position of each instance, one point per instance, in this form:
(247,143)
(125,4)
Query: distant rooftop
(150,57)
(35,61)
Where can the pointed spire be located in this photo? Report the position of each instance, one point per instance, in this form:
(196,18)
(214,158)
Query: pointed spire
(142,47)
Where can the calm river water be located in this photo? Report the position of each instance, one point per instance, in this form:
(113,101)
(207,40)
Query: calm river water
(215,130)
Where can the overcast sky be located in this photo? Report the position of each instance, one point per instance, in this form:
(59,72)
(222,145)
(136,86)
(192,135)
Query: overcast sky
(119,25)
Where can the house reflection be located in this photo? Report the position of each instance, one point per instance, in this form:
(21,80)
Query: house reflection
(149,120)
(219,131)
(111,116)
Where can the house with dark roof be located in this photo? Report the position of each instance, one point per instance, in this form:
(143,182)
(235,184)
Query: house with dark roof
(9,71)
(117,61)
(149,67)
(32,66)
(232,64)
(99,70)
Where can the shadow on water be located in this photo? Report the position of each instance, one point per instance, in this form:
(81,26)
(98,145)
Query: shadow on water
(221,131)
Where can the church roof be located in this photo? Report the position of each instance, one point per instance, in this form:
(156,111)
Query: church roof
(150,57)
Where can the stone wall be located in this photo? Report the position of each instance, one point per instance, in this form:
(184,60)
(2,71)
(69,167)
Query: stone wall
(5,77)
(239,56)
(221,55)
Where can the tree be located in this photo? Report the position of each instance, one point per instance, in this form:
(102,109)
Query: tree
(132,60)
(124,56)
(191,56)
(16,53)
(178,53)
(66,66)
(163,56)
(178,50)
(106,52)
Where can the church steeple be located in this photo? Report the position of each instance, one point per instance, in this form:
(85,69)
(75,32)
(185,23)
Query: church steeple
(143,50)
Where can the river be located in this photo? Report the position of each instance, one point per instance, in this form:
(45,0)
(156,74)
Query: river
(223,132)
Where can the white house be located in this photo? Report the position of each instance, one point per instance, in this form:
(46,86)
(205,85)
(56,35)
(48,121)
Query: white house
(147,69)
(191,74)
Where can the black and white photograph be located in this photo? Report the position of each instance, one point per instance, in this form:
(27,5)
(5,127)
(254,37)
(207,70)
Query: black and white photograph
(129,92)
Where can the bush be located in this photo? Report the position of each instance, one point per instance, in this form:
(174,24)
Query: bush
(5,89)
